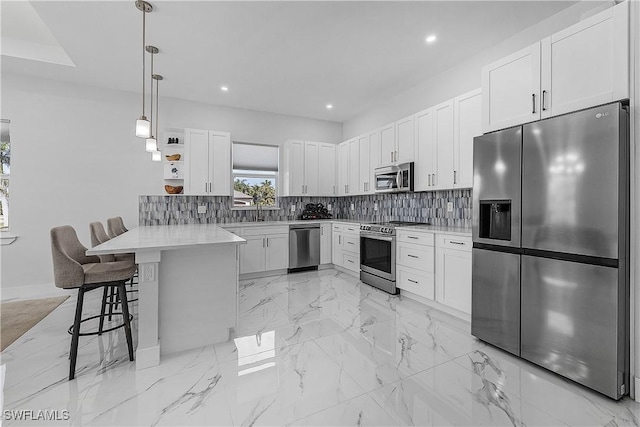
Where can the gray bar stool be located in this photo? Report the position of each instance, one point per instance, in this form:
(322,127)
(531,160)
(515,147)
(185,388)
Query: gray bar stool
(72,269)
(98,236)
(116,226)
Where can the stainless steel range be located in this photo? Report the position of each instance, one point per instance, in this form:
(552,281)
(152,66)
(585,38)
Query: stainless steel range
(378,254)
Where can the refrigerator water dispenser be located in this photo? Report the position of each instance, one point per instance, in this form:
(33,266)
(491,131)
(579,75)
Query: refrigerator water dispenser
(495,219)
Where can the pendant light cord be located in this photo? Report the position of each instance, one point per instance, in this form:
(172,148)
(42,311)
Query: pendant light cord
(157,107)
(143,56)
(151,103)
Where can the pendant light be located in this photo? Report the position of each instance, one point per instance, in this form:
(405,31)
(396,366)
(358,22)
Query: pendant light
(151,144)
(156,155)
(143,126)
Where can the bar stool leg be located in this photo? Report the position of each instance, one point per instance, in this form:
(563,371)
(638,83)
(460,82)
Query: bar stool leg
(122,293)
(76,334)
(102,310)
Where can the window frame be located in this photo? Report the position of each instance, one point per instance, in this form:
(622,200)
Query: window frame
(263,175)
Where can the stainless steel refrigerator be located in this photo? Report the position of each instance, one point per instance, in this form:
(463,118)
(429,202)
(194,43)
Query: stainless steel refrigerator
(551,245)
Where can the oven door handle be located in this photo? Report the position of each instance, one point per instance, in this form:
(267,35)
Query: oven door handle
(375,237)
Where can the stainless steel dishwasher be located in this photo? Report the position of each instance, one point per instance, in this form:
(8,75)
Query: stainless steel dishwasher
(304,246)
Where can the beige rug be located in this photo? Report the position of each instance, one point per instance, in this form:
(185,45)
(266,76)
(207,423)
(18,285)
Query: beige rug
(17,317)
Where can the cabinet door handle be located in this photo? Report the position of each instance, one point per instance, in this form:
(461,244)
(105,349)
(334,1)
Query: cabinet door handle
(412,237)
(210,191)
(339,240)
(454,177)
(351,243)
(267,242)
(533,103)
(544,93)
(334,189)
(351,261)
(413,256)
(429,176)
(302,189)
(456,243)
(433,181)
(391,156)
(413,281)
(263,244)
(205,187)
(396,156)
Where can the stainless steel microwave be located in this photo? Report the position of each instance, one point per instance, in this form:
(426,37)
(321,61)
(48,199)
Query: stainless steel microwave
(394,178)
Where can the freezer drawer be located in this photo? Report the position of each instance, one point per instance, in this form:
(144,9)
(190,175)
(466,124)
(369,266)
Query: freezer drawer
(573,322)
(495,298)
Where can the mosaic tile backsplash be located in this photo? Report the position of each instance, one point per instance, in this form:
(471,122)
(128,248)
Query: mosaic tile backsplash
(426,207)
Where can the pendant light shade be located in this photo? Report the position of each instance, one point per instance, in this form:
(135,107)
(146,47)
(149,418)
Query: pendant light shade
(151,145)
(156,156)
(143,126)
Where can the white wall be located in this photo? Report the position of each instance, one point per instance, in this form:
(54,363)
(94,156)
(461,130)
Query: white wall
(75,159)
(464,77)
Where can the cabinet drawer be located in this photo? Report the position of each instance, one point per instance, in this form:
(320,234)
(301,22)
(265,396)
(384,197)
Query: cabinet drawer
(258,231)
(419,238)
(461,243)
(351,261)
(419,283)
(351,228)
(351,243)
(419,257)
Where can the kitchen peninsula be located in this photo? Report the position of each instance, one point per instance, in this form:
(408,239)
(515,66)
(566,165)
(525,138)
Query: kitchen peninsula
(188,283)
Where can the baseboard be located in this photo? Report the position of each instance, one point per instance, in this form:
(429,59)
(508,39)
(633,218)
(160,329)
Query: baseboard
(636,383)
(44,290)
(426,301)
(347,271)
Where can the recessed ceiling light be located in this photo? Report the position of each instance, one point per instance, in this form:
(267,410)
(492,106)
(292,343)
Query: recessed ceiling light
(431,38)
(329,106)
(224,88)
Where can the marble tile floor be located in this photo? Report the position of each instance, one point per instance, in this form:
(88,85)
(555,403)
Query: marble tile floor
(315,348)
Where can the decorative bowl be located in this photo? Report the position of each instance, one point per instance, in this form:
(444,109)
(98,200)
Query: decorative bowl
(170,189)
(173,157)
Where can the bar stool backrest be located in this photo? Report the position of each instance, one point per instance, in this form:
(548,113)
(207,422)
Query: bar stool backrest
(116,226)
(98,236)
(68,257)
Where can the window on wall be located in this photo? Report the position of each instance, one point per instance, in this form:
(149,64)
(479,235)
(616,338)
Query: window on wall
(255,174)
(5,165)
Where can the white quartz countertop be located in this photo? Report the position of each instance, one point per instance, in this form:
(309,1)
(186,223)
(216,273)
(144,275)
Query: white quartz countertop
(443,229)
(167,237)
(289,222)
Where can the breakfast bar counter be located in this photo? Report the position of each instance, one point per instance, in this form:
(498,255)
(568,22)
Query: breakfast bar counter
(188,286)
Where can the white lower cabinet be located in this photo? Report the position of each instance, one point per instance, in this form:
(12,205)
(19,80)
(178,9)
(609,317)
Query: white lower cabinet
(346,246)
(415,263)
(267,249)
(325,243)
(453,271)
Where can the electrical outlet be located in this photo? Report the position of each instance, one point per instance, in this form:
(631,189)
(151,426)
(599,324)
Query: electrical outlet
(202,209)
(329,207)
(375,206)
(293,208)
(353,207)
(449,206)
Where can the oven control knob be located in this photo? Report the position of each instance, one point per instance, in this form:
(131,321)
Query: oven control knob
(386,230)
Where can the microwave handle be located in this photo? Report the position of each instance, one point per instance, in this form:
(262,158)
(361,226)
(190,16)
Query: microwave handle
(399,179)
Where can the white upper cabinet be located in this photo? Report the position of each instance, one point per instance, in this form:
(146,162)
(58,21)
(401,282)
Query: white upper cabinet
(587,64)
(327,169)
(309,168)
(311,164)
(354,169)
(397,142)
(467,124)
(511,87)
(207,163)
(425,149)
(404,141)
(582,66)
(387,144)
(343,168)
(442,176)
(364,163)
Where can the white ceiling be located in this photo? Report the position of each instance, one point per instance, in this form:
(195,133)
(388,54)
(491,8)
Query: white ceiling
(284,57)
